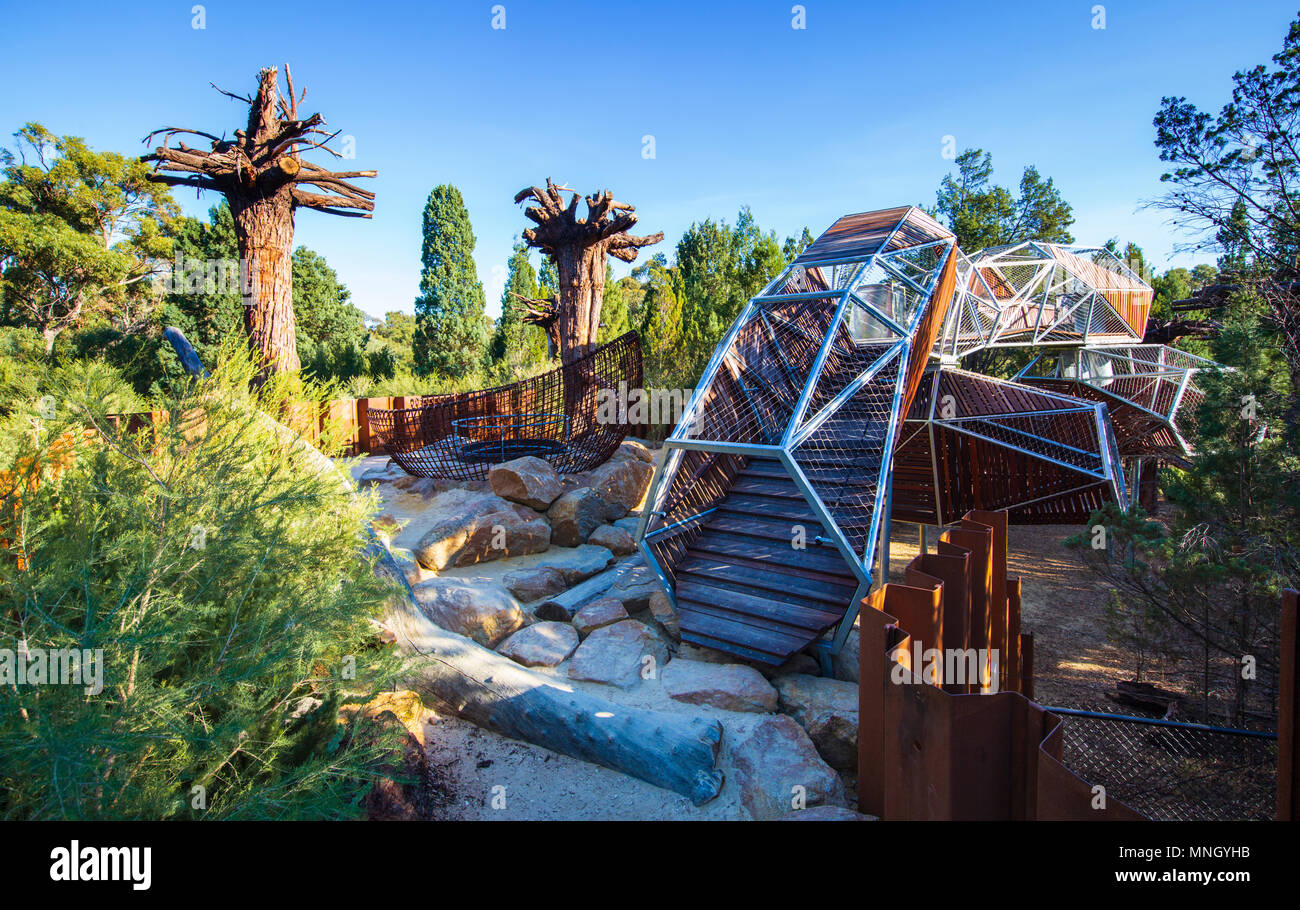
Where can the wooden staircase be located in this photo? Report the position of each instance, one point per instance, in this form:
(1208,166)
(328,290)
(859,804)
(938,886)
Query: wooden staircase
(743,588)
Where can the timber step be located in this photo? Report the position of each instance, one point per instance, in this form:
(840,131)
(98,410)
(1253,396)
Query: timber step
(745,584)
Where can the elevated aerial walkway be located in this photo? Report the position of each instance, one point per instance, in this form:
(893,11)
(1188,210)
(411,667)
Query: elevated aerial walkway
(835,401)
(764,515)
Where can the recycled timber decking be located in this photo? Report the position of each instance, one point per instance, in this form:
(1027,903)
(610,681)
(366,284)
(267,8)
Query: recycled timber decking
(743,588)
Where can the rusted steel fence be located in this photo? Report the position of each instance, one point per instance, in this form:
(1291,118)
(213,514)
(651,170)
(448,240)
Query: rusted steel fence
(937,744)
(931,746)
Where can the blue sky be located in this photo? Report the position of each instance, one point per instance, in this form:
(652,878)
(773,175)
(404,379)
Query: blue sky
(802,125)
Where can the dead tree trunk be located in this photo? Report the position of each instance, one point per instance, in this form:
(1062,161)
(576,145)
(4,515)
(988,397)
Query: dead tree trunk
(264,232)
(264,179)
(545,315)
(579,246)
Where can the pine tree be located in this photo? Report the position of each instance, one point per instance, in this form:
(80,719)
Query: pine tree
(513,342)
(219,574)
(450,333)
(614,319)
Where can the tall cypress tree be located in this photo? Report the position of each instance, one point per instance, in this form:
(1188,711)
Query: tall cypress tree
(521,279)
(450,332)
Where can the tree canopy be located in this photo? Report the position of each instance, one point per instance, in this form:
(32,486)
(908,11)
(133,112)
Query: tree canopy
(81,232)
(984,214)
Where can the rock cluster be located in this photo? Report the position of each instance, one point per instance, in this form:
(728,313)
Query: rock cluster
(584,606)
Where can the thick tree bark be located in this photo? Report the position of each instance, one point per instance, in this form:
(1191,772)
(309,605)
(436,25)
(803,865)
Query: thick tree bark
(582,293)
(264,232)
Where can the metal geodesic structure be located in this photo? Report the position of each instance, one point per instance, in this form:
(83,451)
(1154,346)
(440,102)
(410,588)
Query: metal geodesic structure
(1151,390)
(792,426)
(1035,294)
(834,402)
(1089,309)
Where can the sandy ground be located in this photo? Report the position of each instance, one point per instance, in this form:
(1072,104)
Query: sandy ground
(491,777)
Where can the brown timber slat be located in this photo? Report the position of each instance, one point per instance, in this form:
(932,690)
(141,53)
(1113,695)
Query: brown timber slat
(777,645)
(713,570)
(809,617)
(781,554)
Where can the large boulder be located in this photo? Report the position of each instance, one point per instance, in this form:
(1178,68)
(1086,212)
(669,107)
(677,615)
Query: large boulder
(635,587)
(828,710)
(622,482)
(577,563)
(482,611)
(429,487)
(598,613)
(661,608)
(845,663)
(630,448)
(470,527)
(386,473)
(630,523)
(615,539)
(778,769)
(529,481)
(536,583)
(732,687)
(621,654)
(575,515)
(543,644)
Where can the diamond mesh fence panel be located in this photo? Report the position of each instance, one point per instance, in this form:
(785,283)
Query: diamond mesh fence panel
(758,382)
(1174,773)
(842,457)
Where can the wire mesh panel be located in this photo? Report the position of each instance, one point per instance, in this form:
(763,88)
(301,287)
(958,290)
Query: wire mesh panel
(1046,293)
(1151,391)
(974,442)
(574,416)
(752,395)
(843,456)
(1173,772)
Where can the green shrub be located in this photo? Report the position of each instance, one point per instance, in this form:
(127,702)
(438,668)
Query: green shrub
(221,575)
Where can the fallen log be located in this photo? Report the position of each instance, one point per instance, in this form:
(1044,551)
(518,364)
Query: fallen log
(677,752)
(563,606)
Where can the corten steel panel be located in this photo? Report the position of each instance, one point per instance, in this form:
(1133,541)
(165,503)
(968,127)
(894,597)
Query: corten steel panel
(925,754)
(928,331)
(979,540)
(1026,648)
(1011,665)
(998,619)
(875,629)
(952,568)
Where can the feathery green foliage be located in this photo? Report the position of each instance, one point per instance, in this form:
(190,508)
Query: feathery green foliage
(221,574)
